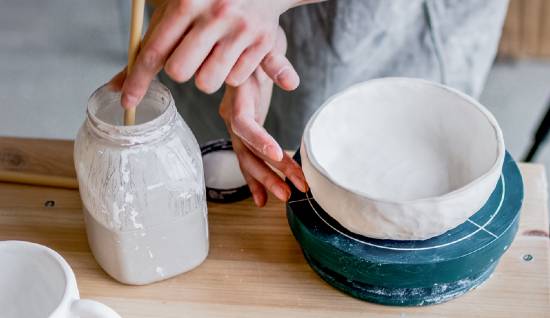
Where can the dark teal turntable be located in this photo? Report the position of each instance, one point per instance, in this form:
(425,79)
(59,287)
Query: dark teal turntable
(410,273)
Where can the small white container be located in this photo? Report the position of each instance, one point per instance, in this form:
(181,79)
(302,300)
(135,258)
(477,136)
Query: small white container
(36,282)
(402,158)
(142,188)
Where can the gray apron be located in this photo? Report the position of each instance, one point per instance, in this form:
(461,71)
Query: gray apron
(337,43)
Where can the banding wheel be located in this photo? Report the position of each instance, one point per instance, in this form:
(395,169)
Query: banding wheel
(409,273)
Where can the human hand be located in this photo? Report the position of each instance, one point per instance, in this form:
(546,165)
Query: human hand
(244,109)
(213,40)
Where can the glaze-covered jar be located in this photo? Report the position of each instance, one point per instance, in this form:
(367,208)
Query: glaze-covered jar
(142,188)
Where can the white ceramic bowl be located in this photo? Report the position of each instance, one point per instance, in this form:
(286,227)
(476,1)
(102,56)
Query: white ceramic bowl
(401,158)
(36,282)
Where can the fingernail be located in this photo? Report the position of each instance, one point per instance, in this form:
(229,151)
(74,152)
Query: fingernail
(299,182)
(256,200)
(129,101)
(282,74)
(234,81)
(280,192)
(288,79)
(273,153)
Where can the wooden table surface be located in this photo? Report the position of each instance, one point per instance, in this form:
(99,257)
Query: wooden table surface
(255,267)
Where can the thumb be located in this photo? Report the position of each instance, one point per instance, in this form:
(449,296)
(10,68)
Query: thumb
(279,69)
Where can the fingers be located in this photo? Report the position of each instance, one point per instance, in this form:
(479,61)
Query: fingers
(153,22)
(217,66)
(260,142)
(279,69)
(248,62)
(273,62)
(194,48)
(263,147)
(137,82)
(244,125)
(288,167)
(254,164)
(167,25)
(215,41)
(215,45)
(257,137)
(293,171)
(280,45)
(259,194)
(260,171)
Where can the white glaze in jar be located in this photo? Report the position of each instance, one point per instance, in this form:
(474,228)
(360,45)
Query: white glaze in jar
(142,188)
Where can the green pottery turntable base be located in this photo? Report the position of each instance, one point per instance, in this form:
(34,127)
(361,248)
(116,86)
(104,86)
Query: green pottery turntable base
(410,273)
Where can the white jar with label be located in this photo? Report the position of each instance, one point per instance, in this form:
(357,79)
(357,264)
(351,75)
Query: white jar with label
(142,188)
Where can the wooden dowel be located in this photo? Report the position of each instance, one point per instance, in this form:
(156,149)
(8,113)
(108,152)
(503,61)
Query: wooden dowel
(38,179)
(136,25)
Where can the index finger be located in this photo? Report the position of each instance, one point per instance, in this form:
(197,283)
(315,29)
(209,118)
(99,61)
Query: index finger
(288,167)
(167,26)
(244,125)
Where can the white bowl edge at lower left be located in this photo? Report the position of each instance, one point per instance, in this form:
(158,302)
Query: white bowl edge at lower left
(37,282)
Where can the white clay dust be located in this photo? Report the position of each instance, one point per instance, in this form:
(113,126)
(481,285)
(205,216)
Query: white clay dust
(221,170)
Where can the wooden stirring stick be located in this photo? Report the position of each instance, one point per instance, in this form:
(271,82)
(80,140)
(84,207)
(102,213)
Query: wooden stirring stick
(136,26)
(24,177)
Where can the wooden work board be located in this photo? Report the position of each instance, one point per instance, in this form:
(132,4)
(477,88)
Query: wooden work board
(255,267)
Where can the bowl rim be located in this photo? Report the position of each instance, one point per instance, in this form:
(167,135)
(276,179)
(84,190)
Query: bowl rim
(61,263)
(496,166)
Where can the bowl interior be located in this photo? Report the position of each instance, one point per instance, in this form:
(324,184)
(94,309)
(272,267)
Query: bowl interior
(33,282)
(402,140)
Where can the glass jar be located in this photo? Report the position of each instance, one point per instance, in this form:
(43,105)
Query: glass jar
(142,188)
